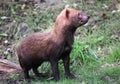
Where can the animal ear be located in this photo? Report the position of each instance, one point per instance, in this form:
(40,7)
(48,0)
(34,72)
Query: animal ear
(67,13)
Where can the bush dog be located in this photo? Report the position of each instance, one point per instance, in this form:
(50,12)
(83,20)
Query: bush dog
(52,46)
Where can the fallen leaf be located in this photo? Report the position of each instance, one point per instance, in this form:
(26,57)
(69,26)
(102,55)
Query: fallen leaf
(3,35)
(23,6)
(4,17)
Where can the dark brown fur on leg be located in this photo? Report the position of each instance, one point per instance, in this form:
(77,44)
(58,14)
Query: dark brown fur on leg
(54,64)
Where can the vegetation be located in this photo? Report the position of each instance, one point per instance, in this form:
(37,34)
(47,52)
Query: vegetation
(95,58)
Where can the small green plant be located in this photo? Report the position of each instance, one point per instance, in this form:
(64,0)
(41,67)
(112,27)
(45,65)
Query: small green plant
(83,53)
(114,55)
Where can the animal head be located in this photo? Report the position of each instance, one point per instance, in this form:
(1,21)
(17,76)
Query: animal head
(72,17)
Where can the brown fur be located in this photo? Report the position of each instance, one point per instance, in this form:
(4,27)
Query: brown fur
(40,47)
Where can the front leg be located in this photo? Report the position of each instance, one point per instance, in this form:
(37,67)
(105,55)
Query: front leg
(54,65)
(66,61)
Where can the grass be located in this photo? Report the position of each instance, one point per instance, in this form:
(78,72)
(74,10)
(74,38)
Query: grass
(93,48)
(114,55)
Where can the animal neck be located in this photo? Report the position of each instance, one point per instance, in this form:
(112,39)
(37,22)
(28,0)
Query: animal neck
(62,32)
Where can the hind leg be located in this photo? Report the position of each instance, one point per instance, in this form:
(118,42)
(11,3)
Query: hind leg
(26,73)
(25,67)
(35,70)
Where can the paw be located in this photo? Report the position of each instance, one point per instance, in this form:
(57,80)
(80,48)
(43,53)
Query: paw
(41,75)
(70,76)
(28,80)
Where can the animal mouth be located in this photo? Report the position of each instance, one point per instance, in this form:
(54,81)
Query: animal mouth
(84,19)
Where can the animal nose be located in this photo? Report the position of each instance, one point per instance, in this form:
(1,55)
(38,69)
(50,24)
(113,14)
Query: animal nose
(85,17)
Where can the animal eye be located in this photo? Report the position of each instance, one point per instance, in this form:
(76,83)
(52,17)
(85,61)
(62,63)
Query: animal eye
(79,15)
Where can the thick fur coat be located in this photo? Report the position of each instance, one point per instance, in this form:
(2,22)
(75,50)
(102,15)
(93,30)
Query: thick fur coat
(53,46)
